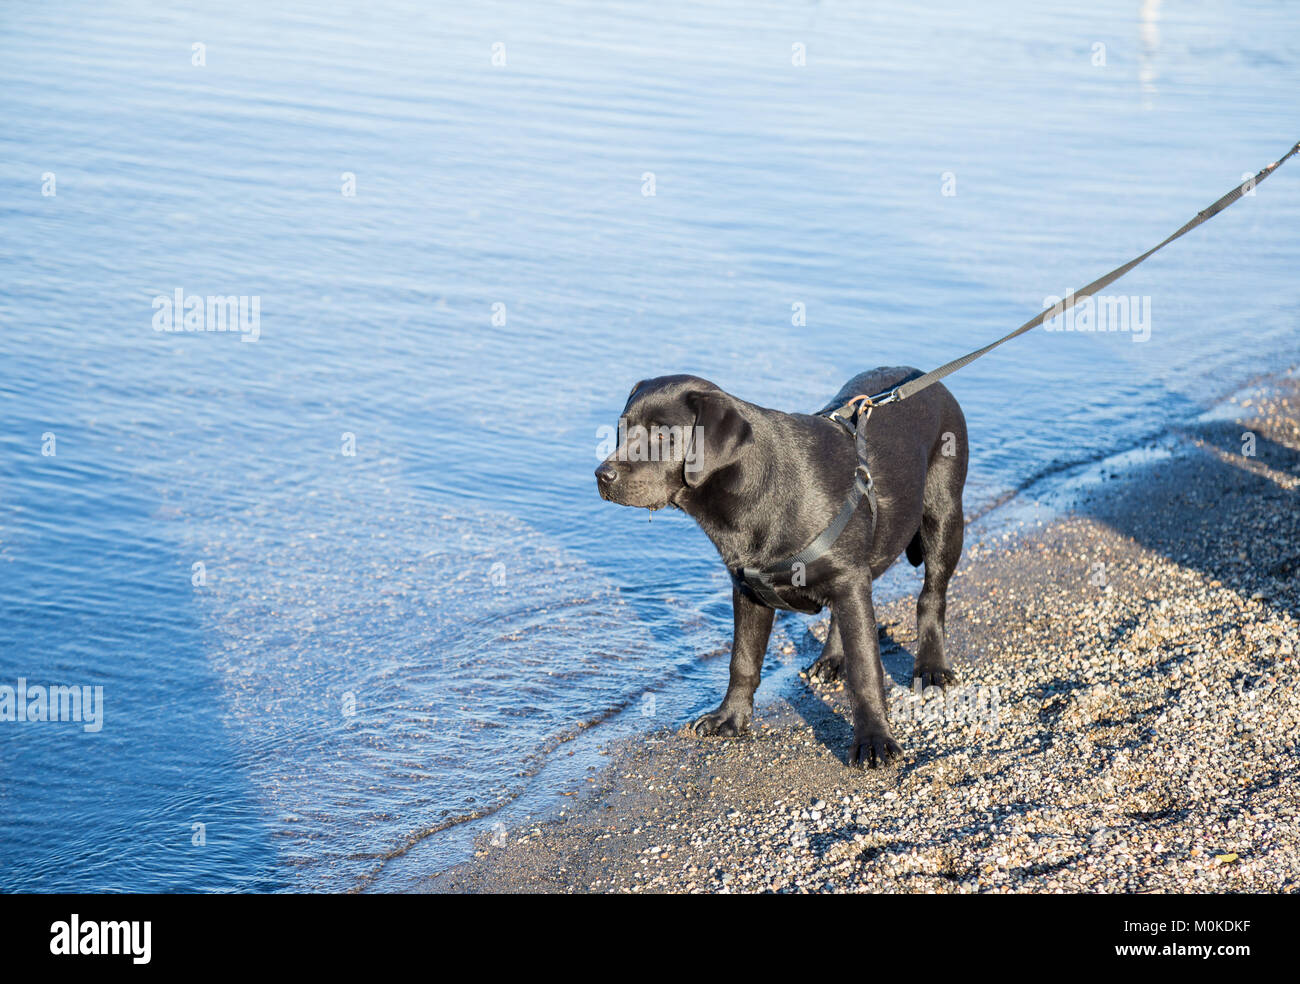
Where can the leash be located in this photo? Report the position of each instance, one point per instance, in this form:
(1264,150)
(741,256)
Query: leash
(759,583)
(914,386)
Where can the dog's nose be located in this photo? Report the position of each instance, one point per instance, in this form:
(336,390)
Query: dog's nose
(606,474)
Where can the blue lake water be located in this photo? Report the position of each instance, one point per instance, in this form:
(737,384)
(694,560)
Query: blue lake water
(384,643)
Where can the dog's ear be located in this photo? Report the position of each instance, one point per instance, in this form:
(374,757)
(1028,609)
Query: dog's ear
(720,436)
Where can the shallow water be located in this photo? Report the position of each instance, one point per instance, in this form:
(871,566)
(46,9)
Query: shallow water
(388,642)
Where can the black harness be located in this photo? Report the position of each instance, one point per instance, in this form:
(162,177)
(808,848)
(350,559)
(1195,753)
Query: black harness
(758,582)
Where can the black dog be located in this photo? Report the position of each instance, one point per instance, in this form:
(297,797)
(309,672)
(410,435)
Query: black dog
(763,484)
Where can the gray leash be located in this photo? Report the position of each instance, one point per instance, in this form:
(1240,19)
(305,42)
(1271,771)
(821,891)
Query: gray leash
(913,386)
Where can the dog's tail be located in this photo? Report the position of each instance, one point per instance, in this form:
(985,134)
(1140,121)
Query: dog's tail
(914,554)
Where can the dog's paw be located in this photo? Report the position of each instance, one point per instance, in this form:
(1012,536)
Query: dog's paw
(723,722)
(874,750)
(825,670)
(936,676)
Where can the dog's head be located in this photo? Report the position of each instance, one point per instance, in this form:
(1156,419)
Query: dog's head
(676,433)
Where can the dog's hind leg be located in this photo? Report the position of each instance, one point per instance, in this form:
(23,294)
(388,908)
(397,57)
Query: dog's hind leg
(915,550)
(942,530)
(830,664)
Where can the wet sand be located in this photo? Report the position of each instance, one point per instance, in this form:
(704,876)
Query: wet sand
(1127,718)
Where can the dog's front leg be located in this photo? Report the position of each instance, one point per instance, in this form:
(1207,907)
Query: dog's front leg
(753,627)
(873,742)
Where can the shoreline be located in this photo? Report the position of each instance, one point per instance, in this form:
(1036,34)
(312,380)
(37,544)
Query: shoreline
(1140,652)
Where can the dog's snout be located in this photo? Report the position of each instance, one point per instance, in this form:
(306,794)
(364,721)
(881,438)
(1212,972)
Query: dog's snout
(607,474)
